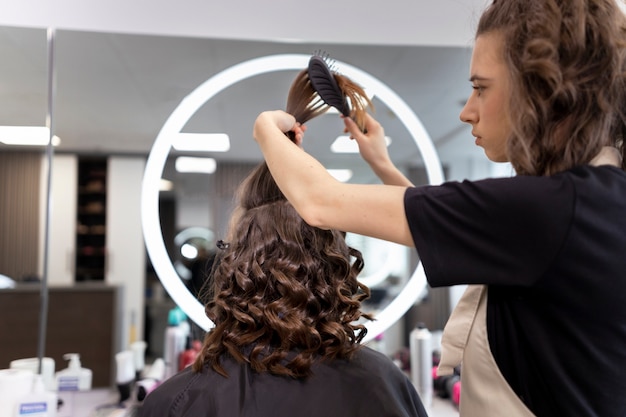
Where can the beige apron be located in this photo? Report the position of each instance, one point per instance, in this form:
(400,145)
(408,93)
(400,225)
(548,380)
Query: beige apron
(484,391)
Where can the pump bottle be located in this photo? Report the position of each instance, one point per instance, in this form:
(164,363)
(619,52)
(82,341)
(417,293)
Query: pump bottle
(74,377)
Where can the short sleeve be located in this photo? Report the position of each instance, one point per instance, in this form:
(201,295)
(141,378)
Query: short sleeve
(503,231)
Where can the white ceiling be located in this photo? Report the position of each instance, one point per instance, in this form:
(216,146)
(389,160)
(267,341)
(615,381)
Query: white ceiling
(121,69)
(369,22)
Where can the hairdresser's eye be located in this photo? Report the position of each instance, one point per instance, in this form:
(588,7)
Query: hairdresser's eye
(478,88)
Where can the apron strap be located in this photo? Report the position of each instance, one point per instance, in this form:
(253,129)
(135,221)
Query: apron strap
(457,329)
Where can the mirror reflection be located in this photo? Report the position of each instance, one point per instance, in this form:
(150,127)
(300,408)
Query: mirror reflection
(172,132)
(113,95)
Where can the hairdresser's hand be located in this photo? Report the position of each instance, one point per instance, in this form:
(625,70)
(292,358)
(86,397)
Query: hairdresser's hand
(373,149)
(372,145)
(284,121)
(298,131)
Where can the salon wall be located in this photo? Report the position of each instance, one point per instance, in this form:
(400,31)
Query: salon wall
(20,175)
(63,225)
(126,258)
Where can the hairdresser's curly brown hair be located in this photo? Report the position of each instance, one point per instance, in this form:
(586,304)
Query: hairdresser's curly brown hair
(567,60)
(284,294)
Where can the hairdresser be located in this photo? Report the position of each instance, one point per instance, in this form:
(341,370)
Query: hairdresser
(541,329)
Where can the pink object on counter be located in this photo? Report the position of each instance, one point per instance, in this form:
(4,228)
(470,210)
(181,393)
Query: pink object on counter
(456,393)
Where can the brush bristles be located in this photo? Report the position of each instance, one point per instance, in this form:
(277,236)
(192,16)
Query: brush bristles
(359,101)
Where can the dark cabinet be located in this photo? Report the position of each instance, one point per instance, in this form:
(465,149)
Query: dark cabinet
(83,318)
(91,220)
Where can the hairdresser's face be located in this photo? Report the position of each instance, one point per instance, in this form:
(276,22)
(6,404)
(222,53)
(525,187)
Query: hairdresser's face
(486,108)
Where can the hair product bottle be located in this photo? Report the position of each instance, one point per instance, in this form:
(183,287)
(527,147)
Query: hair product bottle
(153,379)
(189,355)
(71,380)
(422,362)
(175,337)
(125,375)
(15,386)
(74,377)
(39,402)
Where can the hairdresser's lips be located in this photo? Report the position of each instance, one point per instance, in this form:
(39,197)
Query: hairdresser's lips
(478,139)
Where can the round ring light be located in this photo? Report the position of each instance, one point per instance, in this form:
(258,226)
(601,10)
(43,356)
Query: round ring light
(206,91)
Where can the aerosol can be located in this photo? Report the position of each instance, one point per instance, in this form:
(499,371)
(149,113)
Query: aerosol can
(422,363)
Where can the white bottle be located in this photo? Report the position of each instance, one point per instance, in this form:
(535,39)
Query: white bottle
(14,384)
(125,376)
(183,322)
(422,363)
(139,356)
(74,377)
(174,345)
(38,403)
(33,364)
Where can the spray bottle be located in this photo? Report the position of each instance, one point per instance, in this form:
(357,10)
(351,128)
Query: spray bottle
(175,337)
(189,355)
(422,363)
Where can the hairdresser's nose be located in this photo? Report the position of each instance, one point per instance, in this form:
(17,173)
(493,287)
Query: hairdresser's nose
(469,113)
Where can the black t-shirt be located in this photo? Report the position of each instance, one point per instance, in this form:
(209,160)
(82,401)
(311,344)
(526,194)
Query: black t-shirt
(552,251)
(369,385)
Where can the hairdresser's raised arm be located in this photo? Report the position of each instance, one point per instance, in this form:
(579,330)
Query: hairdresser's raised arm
(373,149)
(322,201)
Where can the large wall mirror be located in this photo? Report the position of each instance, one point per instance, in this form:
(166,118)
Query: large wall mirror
(24,102)
(113,95)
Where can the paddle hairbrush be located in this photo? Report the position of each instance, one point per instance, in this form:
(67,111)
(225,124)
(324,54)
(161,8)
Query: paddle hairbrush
(324,83)
(318,88)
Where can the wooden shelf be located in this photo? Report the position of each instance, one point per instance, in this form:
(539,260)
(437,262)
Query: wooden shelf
(91,219)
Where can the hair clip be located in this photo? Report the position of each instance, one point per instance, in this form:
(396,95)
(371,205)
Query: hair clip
(222,245)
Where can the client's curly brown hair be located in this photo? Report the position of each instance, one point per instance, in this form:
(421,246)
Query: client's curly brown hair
(283,294)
